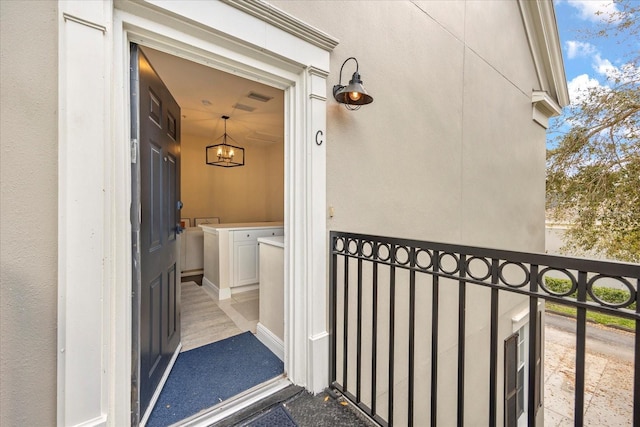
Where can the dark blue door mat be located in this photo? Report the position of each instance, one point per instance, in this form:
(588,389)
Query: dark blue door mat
(275,417)
(207,375)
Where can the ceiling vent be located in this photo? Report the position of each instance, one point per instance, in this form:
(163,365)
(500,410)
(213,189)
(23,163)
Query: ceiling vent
(259,97)
(244,107)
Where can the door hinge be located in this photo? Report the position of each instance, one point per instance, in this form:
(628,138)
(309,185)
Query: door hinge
(134,151)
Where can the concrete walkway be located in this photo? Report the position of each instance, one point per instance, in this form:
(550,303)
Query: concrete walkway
(608,379)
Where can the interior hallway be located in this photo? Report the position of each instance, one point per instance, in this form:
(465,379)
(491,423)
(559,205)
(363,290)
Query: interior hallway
(205,319)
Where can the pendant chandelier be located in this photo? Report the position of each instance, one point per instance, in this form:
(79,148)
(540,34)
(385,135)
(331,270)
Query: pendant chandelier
(224,154)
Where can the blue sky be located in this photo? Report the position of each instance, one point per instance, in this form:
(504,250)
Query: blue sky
(587,61)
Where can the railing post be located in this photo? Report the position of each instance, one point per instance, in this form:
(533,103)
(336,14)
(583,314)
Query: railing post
(434,339)
(345,311)
(462,308)
(374,339)
(636,380)
(412,333)
(392,308)
(333,278)
(359,326)
(493,352)
(581,334)
(533,349)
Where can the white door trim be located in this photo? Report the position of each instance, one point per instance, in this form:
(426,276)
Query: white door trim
(224,38)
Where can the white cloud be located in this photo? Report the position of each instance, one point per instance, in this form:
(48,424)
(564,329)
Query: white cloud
(589,9)
(577,49)
(604,66)
(580,85)
(626,73)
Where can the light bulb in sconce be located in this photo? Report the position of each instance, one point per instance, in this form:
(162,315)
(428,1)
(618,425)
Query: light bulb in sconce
(231,154)
(354,96)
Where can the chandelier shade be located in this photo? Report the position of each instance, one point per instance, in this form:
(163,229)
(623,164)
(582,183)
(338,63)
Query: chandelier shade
(224,154)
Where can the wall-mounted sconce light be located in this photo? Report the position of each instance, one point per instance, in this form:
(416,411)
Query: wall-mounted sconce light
(353,95)
(225,155)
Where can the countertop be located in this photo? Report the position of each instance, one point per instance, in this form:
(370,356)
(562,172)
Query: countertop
(241,226)
(277,241)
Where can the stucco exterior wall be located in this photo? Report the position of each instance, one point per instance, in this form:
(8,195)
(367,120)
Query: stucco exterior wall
(448,150)
(28,206)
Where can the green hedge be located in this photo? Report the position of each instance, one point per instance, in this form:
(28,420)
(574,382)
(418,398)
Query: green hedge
(609,295)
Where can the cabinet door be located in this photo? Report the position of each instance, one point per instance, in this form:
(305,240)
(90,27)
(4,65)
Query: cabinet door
(245,263)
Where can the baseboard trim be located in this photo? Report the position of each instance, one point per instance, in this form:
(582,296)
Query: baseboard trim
(95,422)
(270,340)
(221,294)
(244,288)
(318,362)
(192,272)
(156,395)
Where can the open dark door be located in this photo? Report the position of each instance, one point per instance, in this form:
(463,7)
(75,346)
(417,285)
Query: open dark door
(155,170)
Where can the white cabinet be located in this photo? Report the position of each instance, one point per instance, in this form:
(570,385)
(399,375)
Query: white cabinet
(245,263)
(245,260)
(231,262)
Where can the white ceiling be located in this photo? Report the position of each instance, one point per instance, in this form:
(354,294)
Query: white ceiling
(205,94)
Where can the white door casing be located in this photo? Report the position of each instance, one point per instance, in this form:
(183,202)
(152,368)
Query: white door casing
(250,39)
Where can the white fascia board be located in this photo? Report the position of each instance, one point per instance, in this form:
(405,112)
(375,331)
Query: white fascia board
(280,19)
(542,32)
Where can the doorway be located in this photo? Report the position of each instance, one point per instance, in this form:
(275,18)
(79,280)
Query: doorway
(96,323)
(251,194)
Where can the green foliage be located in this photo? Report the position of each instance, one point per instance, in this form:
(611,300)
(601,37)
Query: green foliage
(613,296)
(593,172)
(609,295)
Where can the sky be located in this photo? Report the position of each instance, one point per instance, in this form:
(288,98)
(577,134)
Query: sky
(587,60)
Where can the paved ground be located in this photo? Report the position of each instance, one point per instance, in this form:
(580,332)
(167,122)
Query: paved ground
(609,374)
(324,411)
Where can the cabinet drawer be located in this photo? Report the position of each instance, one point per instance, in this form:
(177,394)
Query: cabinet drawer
(242,236)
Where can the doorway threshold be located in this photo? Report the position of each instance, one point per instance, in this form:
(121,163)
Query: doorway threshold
(235,404)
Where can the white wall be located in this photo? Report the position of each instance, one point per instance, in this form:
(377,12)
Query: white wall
(250,193)
(28,205)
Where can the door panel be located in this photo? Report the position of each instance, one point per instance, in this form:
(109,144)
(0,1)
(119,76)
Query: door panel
(157,187)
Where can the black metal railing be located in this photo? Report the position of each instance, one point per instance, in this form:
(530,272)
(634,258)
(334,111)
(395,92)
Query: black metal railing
(395,304)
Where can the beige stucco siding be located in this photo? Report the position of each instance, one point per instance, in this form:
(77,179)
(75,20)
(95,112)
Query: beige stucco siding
(448,150)
(28,204)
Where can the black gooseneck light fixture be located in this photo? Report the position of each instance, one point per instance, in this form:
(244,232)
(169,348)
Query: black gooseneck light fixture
(353,96)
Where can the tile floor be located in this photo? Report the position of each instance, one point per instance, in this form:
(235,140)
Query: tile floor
(205,319)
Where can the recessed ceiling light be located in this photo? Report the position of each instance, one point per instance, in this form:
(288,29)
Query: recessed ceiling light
(259,97)
(206,102)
